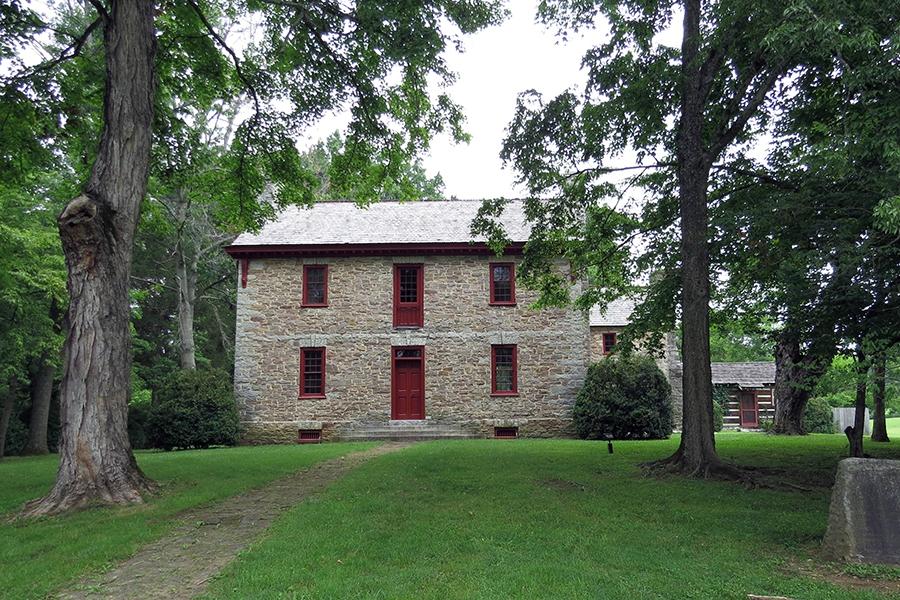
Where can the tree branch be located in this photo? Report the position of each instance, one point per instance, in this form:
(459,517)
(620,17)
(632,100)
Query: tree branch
(234,57)
(726,133)
(100,8)
(68,53)
(781,184)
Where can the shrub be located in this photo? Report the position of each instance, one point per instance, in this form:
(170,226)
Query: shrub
(817,416)
(194,409)
(16,435)
(625,398)
(718,416)
(138,426)
(721,396)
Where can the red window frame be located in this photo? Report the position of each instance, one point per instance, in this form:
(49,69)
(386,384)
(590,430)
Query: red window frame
(409,314)
(512,284)
(615,336)
(302,387)
(305,300)
(515,370)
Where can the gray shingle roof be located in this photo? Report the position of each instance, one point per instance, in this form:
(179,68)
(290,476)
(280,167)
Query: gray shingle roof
(744,374)
(617,313)
(439,221)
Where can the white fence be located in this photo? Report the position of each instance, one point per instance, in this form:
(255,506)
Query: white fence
(843,418)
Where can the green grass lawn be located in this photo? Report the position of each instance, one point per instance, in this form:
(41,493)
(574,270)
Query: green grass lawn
(40,556)
(893,427)
(550,519)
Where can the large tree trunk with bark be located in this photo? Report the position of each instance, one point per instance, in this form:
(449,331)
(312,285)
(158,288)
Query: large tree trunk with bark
(97,231)
(9,403)
(41,396)
(791,393)
(879,423)
(796,375)
(697,453)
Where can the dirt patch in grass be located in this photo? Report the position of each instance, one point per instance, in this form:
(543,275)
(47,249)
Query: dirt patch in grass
(851,576)
(180,564)
(563,485)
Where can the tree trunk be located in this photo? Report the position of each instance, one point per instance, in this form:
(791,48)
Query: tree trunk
(9,403)
(97,232)
(855,433)
(879,424)
(41,396)
(186,275)
(791,391)
(697,453)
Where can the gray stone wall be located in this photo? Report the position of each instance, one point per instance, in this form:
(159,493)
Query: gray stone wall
(356,330)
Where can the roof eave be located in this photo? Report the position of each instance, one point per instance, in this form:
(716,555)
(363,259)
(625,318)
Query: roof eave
(386,249)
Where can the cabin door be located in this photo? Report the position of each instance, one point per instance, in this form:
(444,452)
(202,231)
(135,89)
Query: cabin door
(407,382)
(749,410)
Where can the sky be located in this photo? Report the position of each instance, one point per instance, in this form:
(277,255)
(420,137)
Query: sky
(495,66)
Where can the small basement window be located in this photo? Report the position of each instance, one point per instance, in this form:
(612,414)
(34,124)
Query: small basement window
(310,436)
(506,433)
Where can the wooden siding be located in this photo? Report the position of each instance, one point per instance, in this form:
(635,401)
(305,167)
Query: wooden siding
(765,401)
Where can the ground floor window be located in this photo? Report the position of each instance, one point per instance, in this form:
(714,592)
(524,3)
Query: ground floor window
(312,372)
(504,369)
(610,340)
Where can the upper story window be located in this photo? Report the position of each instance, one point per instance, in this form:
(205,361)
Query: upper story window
(503,283)
(609,341)
(312,372)
(315,285)
(409,287)
(504,370)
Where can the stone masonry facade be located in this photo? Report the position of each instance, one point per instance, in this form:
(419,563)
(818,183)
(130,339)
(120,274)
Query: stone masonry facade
(356,330)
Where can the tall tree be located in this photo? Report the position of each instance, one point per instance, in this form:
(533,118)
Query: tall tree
(97,230)
(377,58)
(687,115)
(804,242)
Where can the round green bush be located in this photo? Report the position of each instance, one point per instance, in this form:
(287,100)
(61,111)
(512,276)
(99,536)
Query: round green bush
(624,398)
(194,409)
(817,417)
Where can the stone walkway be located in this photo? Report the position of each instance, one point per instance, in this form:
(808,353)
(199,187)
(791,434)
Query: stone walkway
(180,564)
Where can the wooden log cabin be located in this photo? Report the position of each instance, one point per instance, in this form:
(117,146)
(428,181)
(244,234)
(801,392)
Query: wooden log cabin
(750,388)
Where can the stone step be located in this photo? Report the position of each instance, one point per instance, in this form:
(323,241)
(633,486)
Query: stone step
(416,431)
(411,437)
(404,430)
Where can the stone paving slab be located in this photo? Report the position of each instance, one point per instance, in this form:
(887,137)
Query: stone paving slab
(179,565)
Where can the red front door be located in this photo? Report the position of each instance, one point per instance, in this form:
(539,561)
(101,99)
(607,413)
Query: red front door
(749,410)
(407,382)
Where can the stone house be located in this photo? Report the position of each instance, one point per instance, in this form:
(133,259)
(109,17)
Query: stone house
(392,321)
(366,323)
